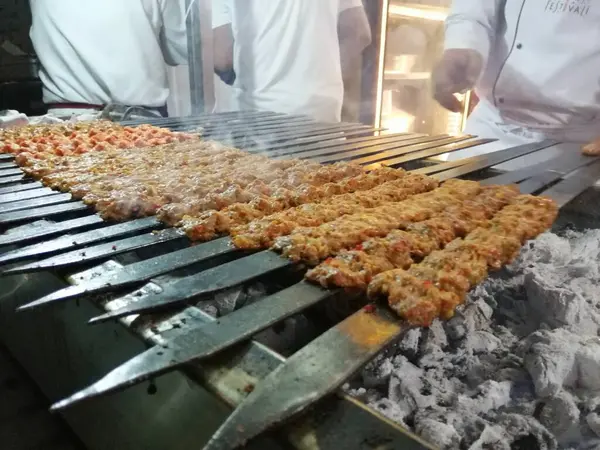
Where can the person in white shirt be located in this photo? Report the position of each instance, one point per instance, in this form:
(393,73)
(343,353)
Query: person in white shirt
(96,52)
(289,56)
(535,66)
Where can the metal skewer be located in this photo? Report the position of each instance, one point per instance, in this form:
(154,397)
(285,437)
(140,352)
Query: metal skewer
(241,266)
(297,384)
(325,364)
(25,195)
(77,240)
(207,340)
(139,272)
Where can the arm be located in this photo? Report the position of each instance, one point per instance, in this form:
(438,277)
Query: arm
(173,35)
(223,41)
(471,29)
(354,34)
(472,25)
(223,48)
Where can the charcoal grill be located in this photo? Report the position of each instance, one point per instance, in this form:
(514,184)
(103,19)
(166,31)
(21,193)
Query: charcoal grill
(48,232)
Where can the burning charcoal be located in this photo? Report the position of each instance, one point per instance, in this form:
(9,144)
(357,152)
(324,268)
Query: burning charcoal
(550,360)
(549,249)
(560,414)
(407,385)
(559,303)
(359,394)
(434,337)
(483,341)
(456,328)
(477,315)
(586,246)
(409,346)
(378,374)
(593,421)
(526,433)
(491,438)
(396,411)
(233,299)
(439,434)
(488,396)
(588,364)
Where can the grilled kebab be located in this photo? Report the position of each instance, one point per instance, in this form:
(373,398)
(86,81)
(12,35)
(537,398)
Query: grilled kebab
(400,248)
(437,285)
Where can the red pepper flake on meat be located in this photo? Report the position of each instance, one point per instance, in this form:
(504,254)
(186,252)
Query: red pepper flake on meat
(370,308)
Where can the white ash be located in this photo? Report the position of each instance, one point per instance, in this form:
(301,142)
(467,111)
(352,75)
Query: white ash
(518,367)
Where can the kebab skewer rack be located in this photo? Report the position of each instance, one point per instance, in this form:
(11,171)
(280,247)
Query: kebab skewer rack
(62,353)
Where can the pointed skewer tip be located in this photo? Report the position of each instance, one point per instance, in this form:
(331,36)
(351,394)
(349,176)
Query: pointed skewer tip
(65,403)
(29,306)
(107,317)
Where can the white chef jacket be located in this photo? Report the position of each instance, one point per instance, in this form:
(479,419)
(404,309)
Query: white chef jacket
(103,51)
(542,68)
(286,54)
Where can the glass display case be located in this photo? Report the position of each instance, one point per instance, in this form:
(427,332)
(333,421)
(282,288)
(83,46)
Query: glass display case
(411,41)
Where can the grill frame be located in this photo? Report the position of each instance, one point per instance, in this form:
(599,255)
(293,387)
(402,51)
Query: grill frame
(362,422)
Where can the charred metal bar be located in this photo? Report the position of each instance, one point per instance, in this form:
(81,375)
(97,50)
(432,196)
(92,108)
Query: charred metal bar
(202,342)
(10,172)
(262,122)
(139,272)
(239,129)
(388,151)
(299,143)
(8,165)
(324,130)
(12,179)
(562,164)
(273,133)
(100,251)
(26,195)
(356,143)
(459,168)
(52,229)
(199,118)
(78,240)
(40,213)
(349,149)
(426,151)
(21,187)
(294,386)
(52,199)
(208,282)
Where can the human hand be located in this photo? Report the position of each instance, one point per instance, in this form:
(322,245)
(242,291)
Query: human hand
(456,72)
(592,148)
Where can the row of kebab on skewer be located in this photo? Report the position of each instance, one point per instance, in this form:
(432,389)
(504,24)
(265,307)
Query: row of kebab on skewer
(35,142)
(390,233)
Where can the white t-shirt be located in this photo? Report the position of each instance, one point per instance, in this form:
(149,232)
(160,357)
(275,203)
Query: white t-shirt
(286,54)
(103,51)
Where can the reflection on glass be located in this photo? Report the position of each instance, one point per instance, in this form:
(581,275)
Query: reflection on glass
(411,42)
